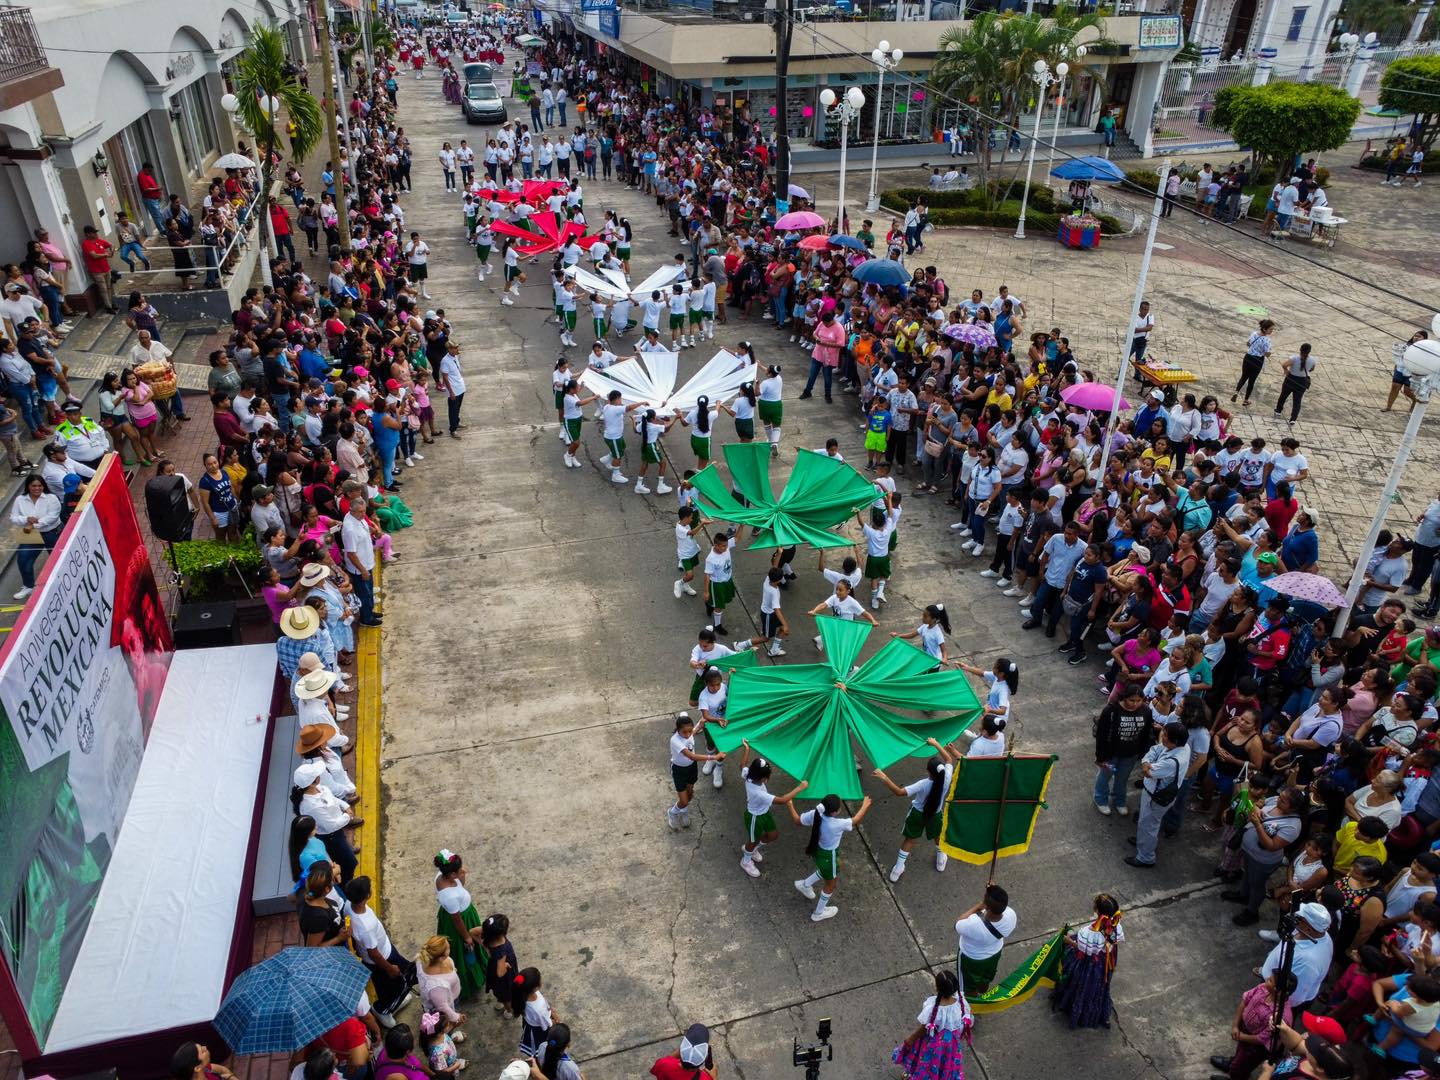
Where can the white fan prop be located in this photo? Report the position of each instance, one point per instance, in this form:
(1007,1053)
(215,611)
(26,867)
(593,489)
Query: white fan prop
(603,286)
(661,278)
(650,379)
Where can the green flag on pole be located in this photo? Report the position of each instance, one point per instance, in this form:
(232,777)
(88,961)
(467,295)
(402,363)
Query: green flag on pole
(820,494)
(993,803)
(1041,968)
(803,716)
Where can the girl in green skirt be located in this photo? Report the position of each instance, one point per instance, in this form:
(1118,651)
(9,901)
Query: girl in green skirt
(622,247)
(772,411)
(705,651)
(759,821)
(559,376)
(878,531)
(572,420)
(459,922)
(599,308)
(649,428)
(484,241)
(827,828)
(743,410)
(720,580)
(702,419)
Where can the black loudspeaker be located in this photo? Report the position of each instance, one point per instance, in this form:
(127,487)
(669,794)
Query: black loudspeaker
(206,626)
(170,513)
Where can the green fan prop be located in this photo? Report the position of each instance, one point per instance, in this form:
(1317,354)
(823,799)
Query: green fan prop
(820,494)
(803,716)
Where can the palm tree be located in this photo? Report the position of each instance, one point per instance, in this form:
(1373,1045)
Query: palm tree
(261,81)
(989,66)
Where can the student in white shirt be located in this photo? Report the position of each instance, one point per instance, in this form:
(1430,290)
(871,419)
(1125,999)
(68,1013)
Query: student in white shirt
(773,626)
(877,550)
(827,829)
(720,580)
(991,740)
(760,828)
(572,419)
(982,931)
(650,429)
(685,769)
(687,551)
(934,625)
(842,605)
(927,798)
(849,571)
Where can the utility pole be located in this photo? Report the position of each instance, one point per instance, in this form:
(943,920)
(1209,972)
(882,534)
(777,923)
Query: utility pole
(784,26)
(332,94)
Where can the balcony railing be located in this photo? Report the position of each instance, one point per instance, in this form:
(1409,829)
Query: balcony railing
(21,53)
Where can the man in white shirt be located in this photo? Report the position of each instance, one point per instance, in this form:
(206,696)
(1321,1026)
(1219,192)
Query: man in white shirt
(417,254)
(983,930)
(452,382)
(359,562)
(391,973)
(1314,950)
(1140,335)
(1164,766)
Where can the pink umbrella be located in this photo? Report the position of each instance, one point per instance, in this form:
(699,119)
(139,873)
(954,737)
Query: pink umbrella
(1097,397)
(1312,587)
(981,335)
(814,242)
(801,219)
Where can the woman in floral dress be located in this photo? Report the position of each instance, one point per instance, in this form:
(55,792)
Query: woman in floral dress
(935,1050)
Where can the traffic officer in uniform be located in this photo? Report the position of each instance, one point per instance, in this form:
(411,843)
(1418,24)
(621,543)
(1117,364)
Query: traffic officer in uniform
(84,440)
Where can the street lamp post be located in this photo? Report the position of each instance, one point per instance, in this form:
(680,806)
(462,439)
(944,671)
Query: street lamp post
(1078,54)
(885,59)
(848,109)
(1349,49)
(1043,77)
(1422,363)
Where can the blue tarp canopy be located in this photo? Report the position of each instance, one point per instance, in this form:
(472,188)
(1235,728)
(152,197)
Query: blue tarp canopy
(1091,169)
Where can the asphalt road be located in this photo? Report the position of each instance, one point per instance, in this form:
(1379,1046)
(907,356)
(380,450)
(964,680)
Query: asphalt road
(534,658)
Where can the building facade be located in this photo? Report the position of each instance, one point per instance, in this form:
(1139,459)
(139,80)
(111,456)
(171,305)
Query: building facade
(132,81)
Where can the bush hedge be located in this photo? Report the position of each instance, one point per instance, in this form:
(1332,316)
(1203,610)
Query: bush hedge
(205,564)
(951,208)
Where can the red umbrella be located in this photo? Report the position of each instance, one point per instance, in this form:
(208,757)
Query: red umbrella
(814,243)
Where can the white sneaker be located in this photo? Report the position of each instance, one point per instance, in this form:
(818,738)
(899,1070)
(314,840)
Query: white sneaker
(1122,810)
(958,526)
(685,818)
(567,459)
(507,301)
(1025,613)
(749,867)
(965,531)
(689,591)
(828,913)
(617,477)
(561,434)
(418,456)
(718,777)
(941,860)
(663,488)
(988,573)
(640,488)
(756,856)
(707,768)
(775,650)
(819,644)
(897,871)
(880,595)
(23,593)
(977,549)
(804,890)
(1012,591)
(672,819)
(576,463)
(1102,809)
(677,589)
(875,602)
(1002,583)
(605,460)
(409,462)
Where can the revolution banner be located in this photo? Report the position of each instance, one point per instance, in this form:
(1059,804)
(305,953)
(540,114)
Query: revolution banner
(81,675)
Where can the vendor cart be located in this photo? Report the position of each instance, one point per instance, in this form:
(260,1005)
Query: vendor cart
(1164,377)
(1319,227)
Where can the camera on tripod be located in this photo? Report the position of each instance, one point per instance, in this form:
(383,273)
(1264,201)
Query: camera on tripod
(809,1057)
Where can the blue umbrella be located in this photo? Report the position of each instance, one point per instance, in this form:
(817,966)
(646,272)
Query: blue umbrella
(841,240)
(1090,168)
(289,1000)
(881,272)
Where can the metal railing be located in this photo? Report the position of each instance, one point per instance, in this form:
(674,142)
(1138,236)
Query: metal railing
(202,264)
(21,52)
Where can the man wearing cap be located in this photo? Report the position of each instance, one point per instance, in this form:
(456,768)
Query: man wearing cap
(1314,949)
(57,467)
(1154,409)
(331,813)
(264,513)
(695,1060)
(85,441)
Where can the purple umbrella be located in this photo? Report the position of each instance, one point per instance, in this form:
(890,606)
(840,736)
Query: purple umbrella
(1097,397)
(981,335)
(1312,587)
